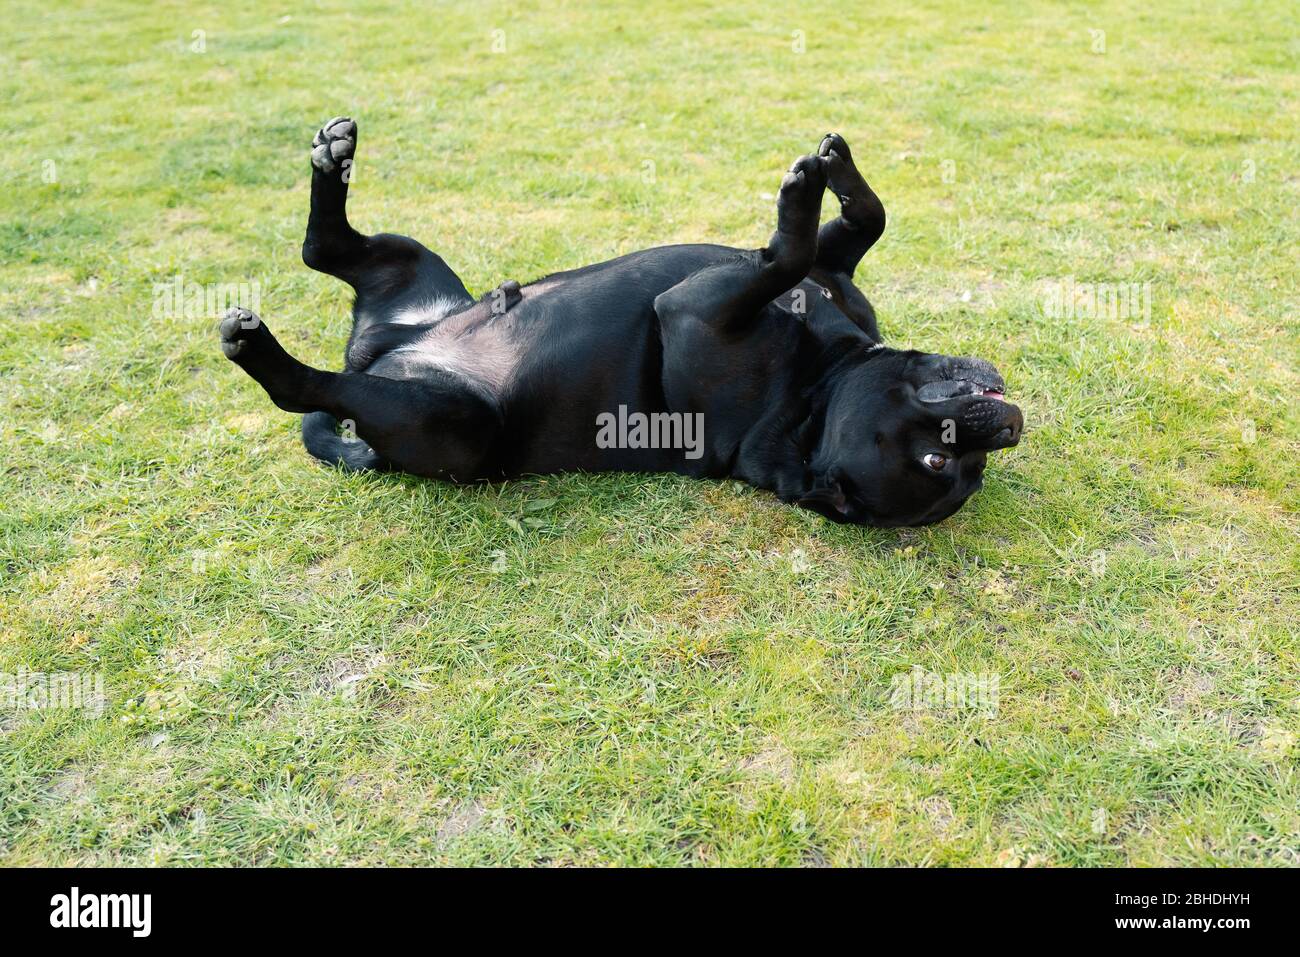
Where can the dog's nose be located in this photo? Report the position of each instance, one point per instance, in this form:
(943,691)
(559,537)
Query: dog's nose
(989,424)
(1010,434)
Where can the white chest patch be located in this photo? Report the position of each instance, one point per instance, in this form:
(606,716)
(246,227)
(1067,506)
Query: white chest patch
(431,310)
(469,342)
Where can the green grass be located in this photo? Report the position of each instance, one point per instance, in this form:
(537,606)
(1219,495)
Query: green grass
(308,667)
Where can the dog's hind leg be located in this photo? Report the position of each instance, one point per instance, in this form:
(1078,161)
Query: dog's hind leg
(392,274)
(386,270)
(730,293)
(437,426)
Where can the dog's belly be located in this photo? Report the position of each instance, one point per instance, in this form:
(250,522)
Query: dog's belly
(575,347)
(561,331)
(482,343)
(484,350)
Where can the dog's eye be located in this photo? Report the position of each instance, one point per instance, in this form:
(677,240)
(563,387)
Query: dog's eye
(935,461)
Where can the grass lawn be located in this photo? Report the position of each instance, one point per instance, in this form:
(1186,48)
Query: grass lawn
(307,667)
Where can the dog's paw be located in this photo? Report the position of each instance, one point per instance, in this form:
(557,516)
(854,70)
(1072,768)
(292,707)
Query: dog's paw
(334,145)
(239,330)
(842,176)
(798,204)
(834,143)
(807,178)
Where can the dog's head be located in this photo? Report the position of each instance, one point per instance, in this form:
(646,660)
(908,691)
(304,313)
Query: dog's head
(905,437)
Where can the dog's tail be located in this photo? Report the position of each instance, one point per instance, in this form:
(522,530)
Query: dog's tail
(322,441)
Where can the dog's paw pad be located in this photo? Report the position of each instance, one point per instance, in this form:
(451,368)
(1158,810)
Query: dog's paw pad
(334,144)
(237,327)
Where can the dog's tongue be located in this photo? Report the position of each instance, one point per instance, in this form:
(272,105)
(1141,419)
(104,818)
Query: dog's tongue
(993,394)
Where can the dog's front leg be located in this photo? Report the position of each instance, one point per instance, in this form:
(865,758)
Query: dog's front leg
(729,294)
(843,241)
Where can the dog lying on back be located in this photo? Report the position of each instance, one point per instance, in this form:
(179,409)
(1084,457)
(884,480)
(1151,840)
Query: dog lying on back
(763,365)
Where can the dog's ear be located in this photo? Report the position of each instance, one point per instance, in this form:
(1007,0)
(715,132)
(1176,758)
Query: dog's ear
(828,498)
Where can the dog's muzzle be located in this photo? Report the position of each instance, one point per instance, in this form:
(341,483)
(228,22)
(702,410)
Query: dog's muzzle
(973,397)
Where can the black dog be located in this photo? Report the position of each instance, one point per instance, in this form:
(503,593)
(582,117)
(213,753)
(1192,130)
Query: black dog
(762,365)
